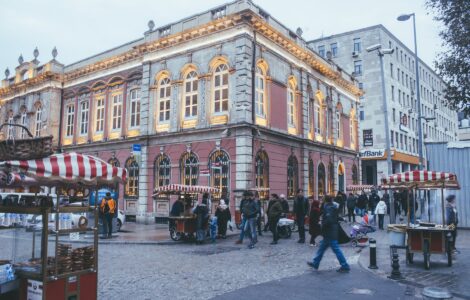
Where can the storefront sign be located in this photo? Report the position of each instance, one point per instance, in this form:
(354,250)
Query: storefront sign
(34,290)
(372,153)
(368,137)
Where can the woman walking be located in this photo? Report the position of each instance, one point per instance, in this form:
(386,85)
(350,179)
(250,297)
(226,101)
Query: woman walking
(223,216)
(314,221)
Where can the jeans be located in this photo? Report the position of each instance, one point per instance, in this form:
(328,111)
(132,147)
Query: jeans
(250,224)
(108,222)
(324,244)
(351,214)
(360,211)
(381,221)
(242,226)
(301,225)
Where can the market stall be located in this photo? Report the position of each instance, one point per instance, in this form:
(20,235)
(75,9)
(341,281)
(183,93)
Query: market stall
(424,237)
(51,257)
(184,225)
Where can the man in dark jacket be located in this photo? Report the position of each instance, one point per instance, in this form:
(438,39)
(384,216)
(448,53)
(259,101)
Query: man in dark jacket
(301,210)
(361,204)
(373,200)
(243,221)
(285,204)
(274,214)
(202,215)
(250,213)
(351,204)
(452,218)
(330,232)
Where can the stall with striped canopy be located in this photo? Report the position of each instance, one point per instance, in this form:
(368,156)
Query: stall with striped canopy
(422,179)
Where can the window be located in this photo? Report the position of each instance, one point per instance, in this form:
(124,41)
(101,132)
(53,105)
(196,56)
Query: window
(361,115)
(357,45)
(262,173)
(339,129)
(290,106)
(220,172)
(221,89)
(84,110)
(398,74)
(164,95)
(331,178)
(321,180)
(355,175)
(292,176)
(162,170)
(132,184)
(352,130)
(117,111)
(135,108)
(361,85)
(311,179)
(358,67)
(317,118)
(24,121)
(99,115)
(393,93)
(334,49)
(321,50)
(393,115)
(189,169)
(190,95)
(260,92)
(391,139)
(38,122)
(70,120)
(391,70)
(11,129)
(399,96)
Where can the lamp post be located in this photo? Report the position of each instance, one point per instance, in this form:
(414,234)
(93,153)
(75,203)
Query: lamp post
(406,17)
(381,52)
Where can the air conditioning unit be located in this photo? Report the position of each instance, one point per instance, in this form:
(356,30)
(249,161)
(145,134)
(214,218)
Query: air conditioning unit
(355,54)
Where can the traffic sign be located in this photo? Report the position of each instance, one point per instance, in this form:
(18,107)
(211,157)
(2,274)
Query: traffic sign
(136,148)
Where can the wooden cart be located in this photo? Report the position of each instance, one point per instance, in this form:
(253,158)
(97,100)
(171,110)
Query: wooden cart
(425,238)
(184,227)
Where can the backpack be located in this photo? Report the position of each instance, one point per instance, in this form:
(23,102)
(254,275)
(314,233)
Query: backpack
(106,208)
(249,209)
(330,215)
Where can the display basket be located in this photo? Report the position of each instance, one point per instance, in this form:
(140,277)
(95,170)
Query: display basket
(25,149)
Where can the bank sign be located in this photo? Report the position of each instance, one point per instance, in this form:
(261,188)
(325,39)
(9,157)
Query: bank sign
(372,153)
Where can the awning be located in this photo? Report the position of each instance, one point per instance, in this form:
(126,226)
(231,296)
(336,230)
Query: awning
(359,187)
(421,179)
(60,169)
(181,188)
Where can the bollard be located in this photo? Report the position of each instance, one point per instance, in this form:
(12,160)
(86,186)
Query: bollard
(372,254)
(396,274)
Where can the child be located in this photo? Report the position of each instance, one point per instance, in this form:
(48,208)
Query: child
(213,228)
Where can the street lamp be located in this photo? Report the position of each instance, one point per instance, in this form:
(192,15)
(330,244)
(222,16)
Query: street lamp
(406,17)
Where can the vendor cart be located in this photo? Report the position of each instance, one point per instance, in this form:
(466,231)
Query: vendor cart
(183,227)
(425,237)
(54,258)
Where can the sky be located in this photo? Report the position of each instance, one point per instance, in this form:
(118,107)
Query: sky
(82,28)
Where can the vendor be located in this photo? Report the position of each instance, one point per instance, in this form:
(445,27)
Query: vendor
(188,205)
(452,218)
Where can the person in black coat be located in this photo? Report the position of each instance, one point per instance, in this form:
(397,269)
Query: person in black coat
(223,216)
(301,210)
(351,204)
(314,221)
(202,215)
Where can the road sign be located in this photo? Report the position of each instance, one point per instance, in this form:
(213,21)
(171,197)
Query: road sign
(136,148)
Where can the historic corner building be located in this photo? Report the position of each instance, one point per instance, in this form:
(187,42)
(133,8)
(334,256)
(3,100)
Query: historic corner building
(229,98)
(439,122)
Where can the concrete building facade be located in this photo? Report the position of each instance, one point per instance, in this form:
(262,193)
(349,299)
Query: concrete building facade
(229,98)
(439,123)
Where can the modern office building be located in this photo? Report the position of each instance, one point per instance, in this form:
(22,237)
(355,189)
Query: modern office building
(228,97)
(464,127)
(439,123)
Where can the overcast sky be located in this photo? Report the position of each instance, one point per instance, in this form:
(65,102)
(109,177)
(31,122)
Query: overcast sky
(86,27)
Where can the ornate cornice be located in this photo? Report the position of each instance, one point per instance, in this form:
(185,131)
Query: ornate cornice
(22,86)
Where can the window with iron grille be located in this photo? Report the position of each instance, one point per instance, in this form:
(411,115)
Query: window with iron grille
(132,185)
(189,169)
(262,173)
(292,176)
(162,170)
(219,165)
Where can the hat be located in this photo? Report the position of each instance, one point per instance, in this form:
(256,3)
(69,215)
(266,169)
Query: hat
(282,196)
(450,198)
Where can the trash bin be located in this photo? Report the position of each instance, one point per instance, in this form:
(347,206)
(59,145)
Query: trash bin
(396,234)
(431,292)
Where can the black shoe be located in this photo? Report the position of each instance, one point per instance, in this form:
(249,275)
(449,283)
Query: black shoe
(274,243)
(310,264)
(343,270)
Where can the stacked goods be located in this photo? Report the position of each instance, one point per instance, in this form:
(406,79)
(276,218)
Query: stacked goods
(64,258)
(83,258)
(88,257)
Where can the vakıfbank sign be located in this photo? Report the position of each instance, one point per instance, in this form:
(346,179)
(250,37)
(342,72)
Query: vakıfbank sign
(372,153)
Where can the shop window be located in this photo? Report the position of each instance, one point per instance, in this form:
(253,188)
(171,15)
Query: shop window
(189,169)
(132,185)
(292,176)
(219,165)
(262,173)
(115,163)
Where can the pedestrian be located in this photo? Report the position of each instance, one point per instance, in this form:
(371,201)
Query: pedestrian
(274,214)
(314,221)
(243,218)
(260,213)
(330,232)
(285,205)
(108,208)
(250,212)
(373,200)
(361,204)
(381,210)
(351,204)
(223,217)
(452,219)
(339,199)
(300,210)
(266,226)
(202,215)
(386,199)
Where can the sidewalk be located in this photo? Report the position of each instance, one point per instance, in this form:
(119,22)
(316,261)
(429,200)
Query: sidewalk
(454,278)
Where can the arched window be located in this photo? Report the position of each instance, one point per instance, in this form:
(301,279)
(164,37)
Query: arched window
(355,177)
(38,121)
(260,93)
(321,179)
(164,100)
(132,185)
(135,108)
(262,173)
(291,105)
(162,170)
(189,169)
(190,95)
(219,165)
(317,117)
(221,88)
(292,176)
(311,181)
(331,178)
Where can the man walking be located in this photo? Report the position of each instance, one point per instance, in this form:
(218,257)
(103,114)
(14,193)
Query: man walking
(361,204)
(301,210)
(274,214)
(330,232)
(243,221)
(108,208)
(351,204)
(250,212)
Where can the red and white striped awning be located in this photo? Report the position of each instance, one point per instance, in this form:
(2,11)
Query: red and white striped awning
(181,188)
(60,169)
(359,187)
(422,179)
